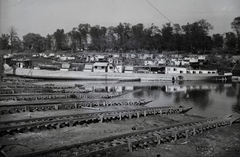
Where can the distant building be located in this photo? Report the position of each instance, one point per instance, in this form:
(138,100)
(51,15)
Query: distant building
(91,59)
(100,58)
(149,62)
(71,58)
(161,61)
(145,56)
(63,58)
(116,55)
(118,61)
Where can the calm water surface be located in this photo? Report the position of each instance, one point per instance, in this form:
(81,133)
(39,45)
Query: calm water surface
(207,99)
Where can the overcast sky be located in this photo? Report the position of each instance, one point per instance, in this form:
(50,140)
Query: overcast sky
(45,16)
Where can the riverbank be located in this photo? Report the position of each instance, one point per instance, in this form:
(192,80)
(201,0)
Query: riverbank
(217,142)
(222,142)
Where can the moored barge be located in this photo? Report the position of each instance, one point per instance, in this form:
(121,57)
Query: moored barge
(163,73)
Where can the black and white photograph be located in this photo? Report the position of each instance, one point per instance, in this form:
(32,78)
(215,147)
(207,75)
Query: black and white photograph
(119,78)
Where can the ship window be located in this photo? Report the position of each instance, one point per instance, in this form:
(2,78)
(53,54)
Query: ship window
(188,72)
(194,72)
(181,71)
(111,67)
(200,72)
(213,72)
(102,67)
(174,69)
(209,72)
(95,67)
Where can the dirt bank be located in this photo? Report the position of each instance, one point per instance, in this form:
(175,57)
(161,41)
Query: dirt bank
(221,141)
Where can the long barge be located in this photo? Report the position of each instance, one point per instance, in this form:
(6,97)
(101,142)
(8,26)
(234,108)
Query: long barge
(164,74)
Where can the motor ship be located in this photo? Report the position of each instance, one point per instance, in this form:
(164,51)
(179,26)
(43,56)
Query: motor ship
(106,71)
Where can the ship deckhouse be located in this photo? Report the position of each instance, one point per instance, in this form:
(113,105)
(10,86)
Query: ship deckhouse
(182,70)
(175,70)
(100,67)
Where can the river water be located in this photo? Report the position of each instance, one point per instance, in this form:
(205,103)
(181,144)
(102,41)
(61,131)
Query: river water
(208,99)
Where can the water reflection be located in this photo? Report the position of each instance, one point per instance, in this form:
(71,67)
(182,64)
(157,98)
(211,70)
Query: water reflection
(199,98)
(208,99)
(109,89)
(232,90)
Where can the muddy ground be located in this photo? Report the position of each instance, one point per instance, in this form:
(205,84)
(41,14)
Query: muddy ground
(219,142)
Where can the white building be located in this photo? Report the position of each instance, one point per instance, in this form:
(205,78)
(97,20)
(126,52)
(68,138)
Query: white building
(99,57)
(116,55)
(176,62)
(148,62)
(51,55)
(71,58)
(63,58)
(145,56)
(162,61)
(202,57)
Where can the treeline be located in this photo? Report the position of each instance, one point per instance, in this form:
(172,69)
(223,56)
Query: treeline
(192,37)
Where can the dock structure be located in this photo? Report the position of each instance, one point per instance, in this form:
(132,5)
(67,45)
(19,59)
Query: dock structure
(92,107)
(139,139)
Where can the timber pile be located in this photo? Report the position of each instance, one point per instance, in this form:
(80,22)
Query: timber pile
(57,122)
(67,105)
(138,139)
